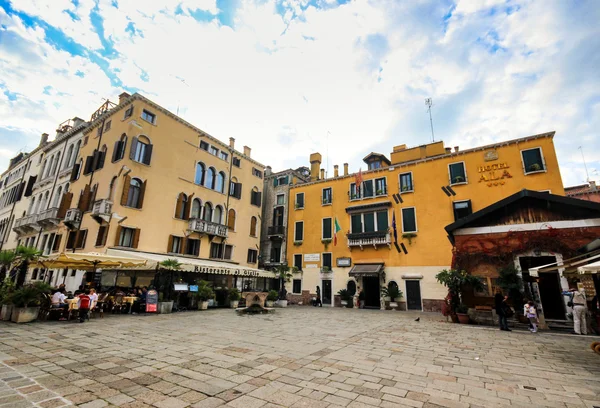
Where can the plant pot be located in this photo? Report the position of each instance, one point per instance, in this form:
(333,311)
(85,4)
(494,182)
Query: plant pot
(463,318)
(270,303)
(344,303)
(282,303)
(6,312)
(203,305)
(387,298)
(25,314)
(393,305)
(165,307)
(233,304)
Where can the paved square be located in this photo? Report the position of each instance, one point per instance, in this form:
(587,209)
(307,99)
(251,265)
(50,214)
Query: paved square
(297,357)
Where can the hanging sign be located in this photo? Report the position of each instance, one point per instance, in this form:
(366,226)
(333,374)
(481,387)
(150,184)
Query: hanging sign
(151,301)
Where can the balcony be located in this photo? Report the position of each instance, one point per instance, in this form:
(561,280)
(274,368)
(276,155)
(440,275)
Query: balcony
(102,210)
(369,238)
(72,218)
(48,218)
(276,231)
(207,227)
(26,224)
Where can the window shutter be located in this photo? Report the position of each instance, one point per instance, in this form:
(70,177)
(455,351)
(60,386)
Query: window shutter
(118,236)
(147,155)
(75,171)
(115,154)
(101,158)
(188,207)
(30,183)
(92,196)
(56,246)
(142,193)
(20,191)
(258,198)
(275,182)
(136,238)
(65,204)
(238,190)
(126,184)
(183,242)
(170,244)
(179,206)
(89,164)
(134,142)
(84,198)
(80,240)
(71,239)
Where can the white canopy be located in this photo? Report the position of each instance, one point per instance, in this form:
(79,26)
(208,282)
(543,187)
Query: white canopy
(194,264)
(567,263)
(589,268)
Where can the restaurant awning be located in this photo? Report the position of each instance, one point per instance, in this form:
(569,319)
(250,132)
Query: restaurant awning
(568,265)
(88,261)
(594,267)
(362,270)
(194,264)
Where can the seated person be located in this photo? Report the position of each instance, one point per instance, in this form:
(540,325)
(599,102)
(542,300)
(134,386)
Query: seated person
(58,301)
(93,299)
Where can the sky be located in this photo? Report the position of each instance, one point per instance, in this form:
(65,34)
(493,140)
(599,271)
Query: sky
(293,77)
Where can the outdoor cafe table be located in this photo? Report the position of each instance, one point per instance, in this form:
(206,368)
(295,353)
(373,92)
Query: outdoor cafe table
(72,303)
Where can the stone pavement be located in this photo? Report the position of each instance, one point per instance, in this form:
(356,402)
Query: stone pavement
(297,357)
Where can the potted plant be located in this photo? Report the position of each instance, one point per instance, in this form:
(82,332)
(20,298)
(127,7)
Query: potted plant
(409,236)
(234,298)
(509,280)
(326,269)
(404,188)
(297,243)
(458,179)
(392,294)
(204,294)
(535,167)
(6,290)
(284,274)
(345,297)
(461,313)
(169,265)
(26,302)
(457,281)
(272,297)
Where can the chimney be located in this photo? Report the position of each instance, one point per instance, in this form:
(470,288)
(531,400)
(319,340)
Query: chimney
(315,166)
(44,139)
(232,142)
(268,171)
(336,172)
(322,174)
(455,149)
(448,150)
(345,169)
(122,97)
(593,186)
(247,151)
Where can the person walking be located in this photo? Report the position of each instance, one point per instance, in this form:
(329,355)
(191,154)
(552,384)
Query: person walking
(318,301)
(532,315)
(501,308)
(579,304)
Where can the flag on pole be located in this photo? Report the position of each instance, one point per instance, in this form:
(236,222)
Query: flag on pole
(394,226)
(336,229)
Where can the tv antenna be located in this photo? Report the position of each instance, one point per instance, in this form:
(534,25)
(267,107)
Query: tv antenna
(585,165)
(429,104)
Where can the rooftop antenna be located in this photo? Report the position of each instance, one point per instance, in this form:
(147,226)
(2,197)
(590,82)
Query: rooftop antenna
(585,165)
(429,104)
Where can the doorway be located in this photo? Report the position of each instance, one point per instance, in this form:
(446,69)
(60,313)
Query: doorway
(326,283)
(553,304)
(413,295)
(372,292)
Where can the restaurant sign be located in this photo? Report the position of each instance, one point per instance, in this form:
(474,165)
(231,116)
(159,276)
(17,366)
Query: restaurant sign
(226,271)
(151,301)
(494,174)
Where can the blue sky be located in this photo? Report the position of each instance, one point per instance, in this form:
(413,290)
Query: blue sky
(290,77)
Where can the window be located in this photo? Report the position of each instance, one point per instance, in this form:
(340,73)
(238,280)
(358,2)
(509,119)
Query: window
(34,274)
(73,273)
(149,116)
(326,230)
(327,260)
(237,162)
(231,220)
(223,155)
(280,199)
(297,286)
(210,178)
(458,174)
(406,183)
(119,150)
(181,206)
(253,226)
(256,172)
(367,188)
(102,235)
(134,193)
(218,215)
(80,241)
(281,181)
(208,212)
(228,252)
(255,197)
(327,196)
(351,287)
(298,261)
(252,256)
(461,209)
(299,200)
(369,222)
(126,237)
(192,247)
(235,188)
(128,112)
(175,247)
(71,239)
(220,184)
(299,231)
(275,253)
(141,150)
(107,126)
(380,186)
(354,192)
(204,145)
(214,151)
(196,207)
(532,160)
(69,156)
(199,176)
(374,165)
(409,220)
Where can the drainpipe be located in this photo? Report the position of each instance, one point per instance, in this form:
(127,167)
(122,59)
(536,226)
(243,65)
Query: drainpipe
(227,191)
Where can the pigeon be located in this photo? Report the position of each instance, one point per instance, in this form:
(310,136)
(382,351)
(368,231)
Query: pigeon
(417,319)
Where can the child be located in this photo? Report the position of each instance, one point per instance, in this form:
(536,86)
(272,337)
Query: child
(84,305)
(532,315)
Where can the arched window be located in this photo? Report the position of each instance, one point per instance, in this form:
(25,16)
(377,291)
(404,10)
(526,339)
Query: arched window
(44,201)
(69,156)
(31,206)
(43,174)
(196,208)
(200,171)
(351,286)
(210,178)
(39,204)
(133,195)
(218,215)
(141,150)
(220,185)
(55,165)
(66,190)
(111,188)
(253,226)
(181,206)
(79,170)
(208,212)
(231,220)
(77,147)
(392,284)
(56,201)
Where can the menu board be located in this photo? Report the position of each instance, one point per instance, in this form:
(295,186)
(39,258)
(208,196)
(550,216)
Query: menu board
(151,301)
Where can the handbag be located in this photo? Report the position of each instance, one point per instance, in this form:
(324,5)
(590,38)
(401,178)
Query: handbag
(570,302)
(508,312)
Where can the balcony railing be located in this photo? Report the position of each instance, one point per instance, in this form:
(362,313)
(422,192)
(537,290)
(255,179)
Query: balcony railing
(207,227)
(276,230)
(49,216)
(369,238)
(27,222)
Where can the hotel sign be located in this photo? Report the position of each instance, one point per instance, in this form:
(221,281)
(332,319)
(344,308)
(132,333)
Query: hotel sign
(494,174)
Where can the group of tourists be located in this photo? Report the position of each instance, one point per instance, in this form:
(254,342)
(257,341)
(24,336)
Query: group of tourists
(87,300)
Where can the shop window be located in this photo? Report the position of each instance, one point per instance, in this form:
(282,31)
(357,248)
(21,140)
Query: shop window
(406,183)
(252,256)
(148,116)
(297,286)
(327,196)
(461,209)
(192,247)
(381,186)
(298,261)
(299,231)
(458,174)
(409,220)
(299,202)
(533,160)
(326,228)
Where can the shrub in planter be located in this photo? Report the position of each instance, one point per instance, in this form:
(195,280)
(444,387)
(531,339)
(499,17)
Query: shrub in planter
(234,297)
(345,297)
(204,294)
(26,302)
(7,287)
(272,297)
(461,313)
(457,281)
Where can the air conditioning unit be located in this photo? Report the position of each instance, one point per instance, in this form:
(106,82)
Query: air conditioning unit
(72,217)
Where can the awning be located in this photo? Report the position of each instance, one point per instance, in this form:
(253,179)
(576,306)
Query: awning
(570,263)
(194,264)
(590,268)
(362,270)
(88,261)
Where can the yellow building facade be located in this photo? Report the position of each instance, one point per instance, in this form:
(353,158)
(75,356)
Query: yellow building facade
(423,189)
(148,182)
